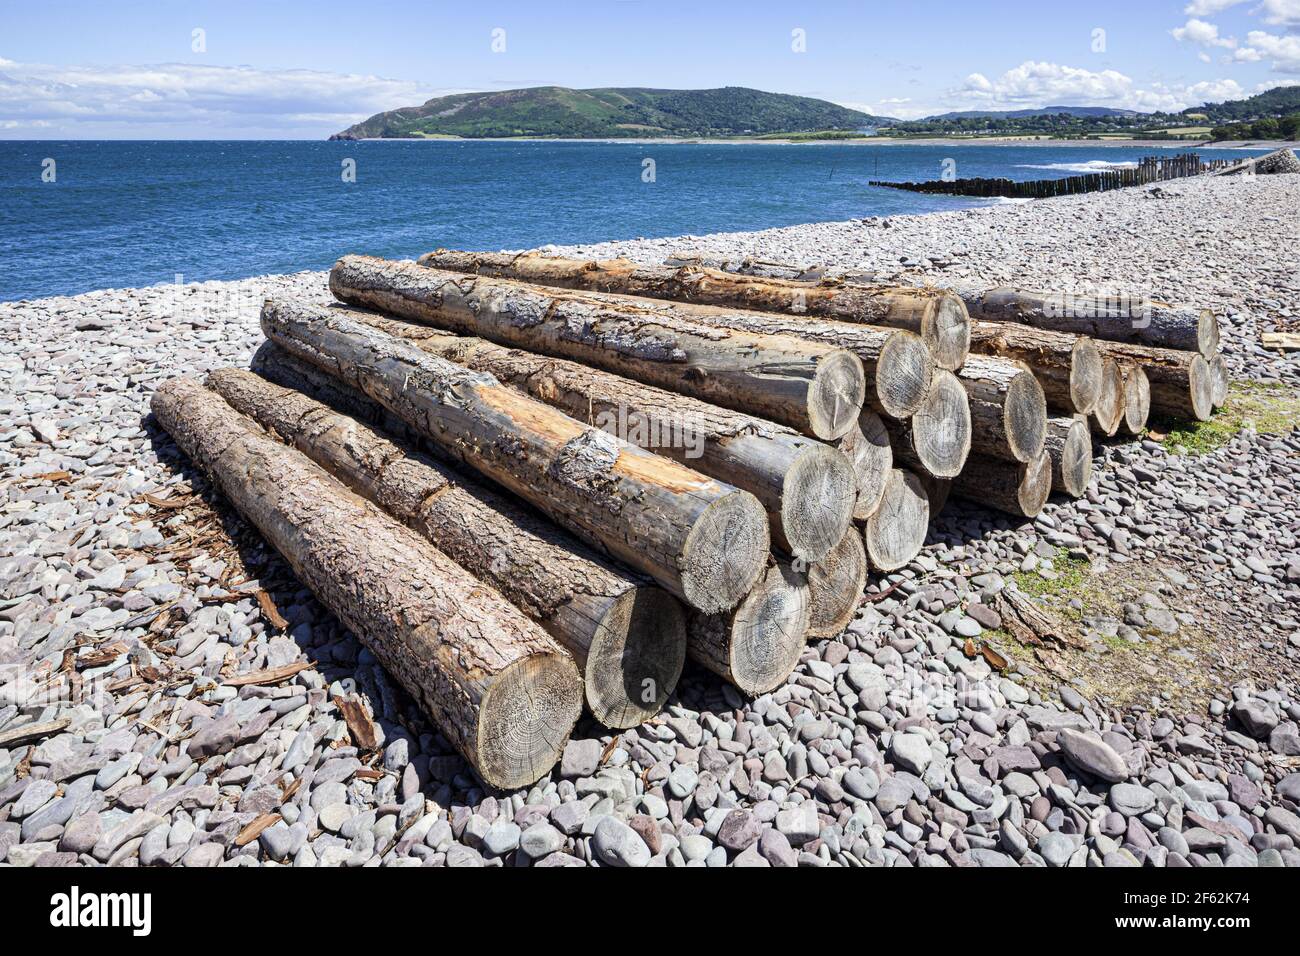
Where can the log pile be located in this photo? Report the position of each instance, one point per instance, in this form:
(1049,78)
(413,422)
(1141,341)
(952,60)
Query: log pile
(531,484)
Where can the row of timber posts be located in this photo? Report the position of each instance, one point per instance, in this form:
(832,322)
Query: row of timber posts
(1153,169)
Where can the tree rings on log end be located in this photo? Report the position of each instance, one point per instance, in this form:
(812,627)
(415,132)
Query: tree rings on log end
(525,719)
(1073,470)
(1086,371)
(1219,374)
(818,495)
(1200,382)
(895,534)
(903,373)
(835,586)
(725,552)
(1109,412)
(1025,417)
(835,397)
(1207,334)
(769,630)
(636,657)
(1035,485)
(941,427)
(871,456)
(946,332)
(1137,400)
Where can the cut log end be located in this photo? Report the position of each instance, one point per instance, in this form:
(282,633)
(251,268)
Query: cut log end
(1137,401)
(895,534)
(838,390)
(525,719)
(1072,463)
(941,427)
(947,332)
(1086,376)
(871,456)
(1200,382)
(769,630)
(1219,374)
(1035,485)
(725,552)
(1109,411)
(1025,417)
(817,501)
(1207,334)
(635,658)
(835,586)
(903,375)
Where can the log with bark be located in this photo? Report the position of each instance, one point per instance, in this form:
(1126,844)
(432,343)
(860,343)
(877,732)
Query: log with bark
(936,440)
(835,586)
(1137,400)
(871,457)
(936,315)
(627,635)
(817,389)
(1069,444)
(1115,319)
(705,541)
(1007,408)
(808,490)
(1182,385)
(1067,366)
(895,534)
(757,645)
(498,687)
(1018,488)
(1112,403)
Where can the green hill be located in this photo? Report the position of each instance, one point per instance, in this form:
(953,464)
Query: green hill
(562,113)
(1275,103)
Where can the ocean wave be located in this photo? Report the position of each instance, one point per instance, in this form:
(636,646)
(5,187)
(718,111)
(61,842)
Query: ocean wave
(1090,166)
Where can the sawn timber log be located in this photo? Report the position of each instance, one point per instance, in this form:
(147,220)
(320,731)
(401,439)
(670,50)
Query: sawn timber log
(497,686)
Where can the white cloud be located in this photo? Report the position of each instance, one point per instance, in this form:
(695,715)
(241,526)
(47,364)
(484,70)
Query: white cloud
(1205,8)
(1281,13)
(176,99)
(1283,51)
(1034,85)
(1202,34)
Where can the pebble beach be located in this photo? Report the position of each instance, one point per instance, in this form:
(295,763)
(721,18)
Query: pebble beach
(1163,733)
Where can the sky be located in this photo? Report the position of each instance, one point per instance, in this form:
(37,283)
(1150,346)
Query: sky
(229,69)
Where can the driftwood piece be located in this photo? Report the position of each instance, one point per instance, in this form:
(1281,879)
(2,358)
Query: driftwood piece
(704,541)
(814,388)
(500,689)
(936,315)
(627,635)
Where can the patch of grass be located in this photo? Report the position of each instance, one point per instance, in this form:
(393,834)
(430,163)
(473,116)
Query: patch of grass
(1071,574)
(1117,643)
(1270,408)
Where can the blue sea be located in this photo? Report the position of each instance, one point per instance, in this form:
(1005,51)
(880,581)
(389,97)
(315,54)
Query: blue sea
(76,216)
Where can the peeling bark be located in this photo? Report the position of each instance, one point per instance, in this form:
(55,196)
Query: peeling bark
(704,541)
(497,686)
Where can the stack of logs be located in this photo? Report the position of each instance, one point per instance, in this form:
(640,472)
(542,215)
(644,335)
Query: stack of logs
(529,483)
